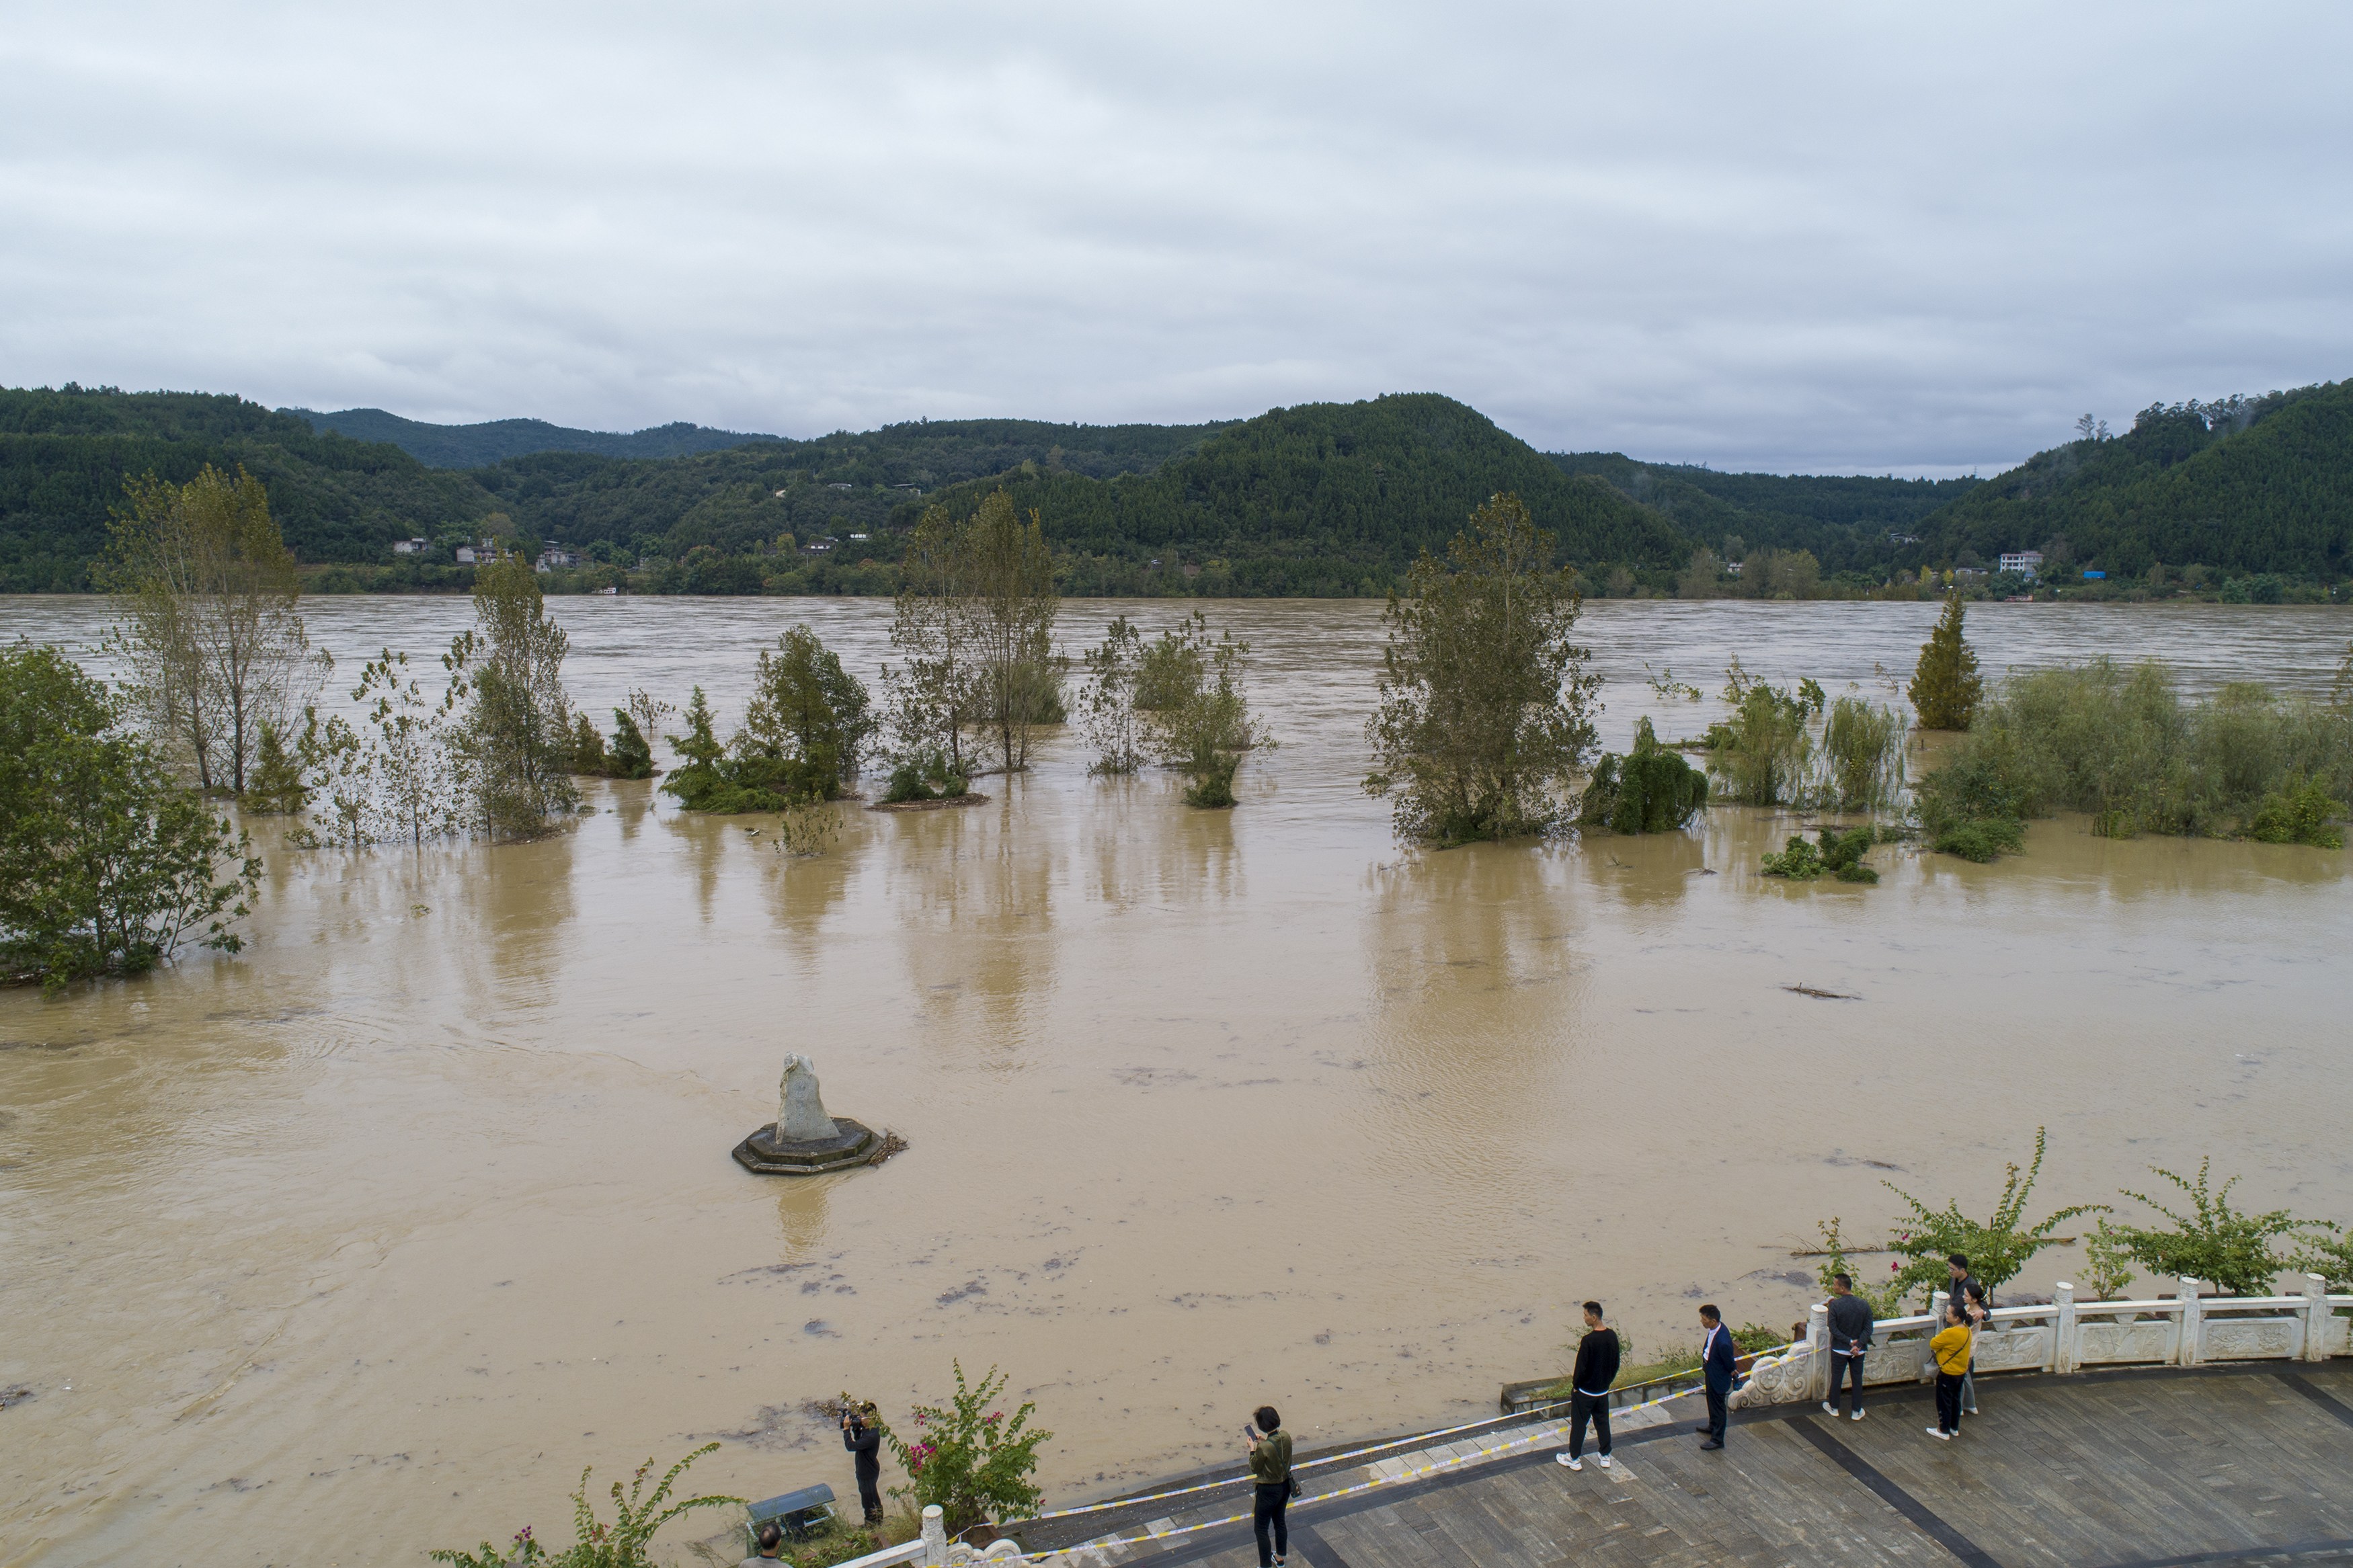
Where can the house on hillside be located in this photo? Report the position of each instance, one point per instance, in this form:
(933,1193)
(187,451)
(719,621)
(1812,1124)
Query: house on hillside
(408,547)
(2024,562)
(555,558)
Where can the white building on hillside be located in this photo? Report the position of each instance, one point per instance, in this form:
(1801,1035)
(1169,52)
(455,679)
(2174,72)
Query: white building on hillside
(2025,563)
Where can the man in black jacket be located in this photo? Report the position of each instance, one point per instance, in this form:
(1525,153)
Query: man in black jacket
(1716,1357)
(1588,1388)
(862,1440)
(1850,1327)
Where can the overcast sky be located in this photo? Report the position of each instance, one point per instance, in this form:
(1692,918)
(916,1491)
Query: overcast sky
(1785,238)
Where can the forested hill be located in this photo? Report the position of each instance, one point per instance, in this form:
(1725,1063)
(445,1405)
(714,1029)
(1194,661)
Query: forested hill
(64,456)
(2261,484)
(1320,499)
(1324,498)
(1853,523)
(479,445)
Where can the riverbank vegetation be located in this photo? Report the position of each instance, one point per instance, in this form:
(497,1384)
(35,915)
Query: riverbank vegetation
(2122,744)
(107,864)
(1485,718)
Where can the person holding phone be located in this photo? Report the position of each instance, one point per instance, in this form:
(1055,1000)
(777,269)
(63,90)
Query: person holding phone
(1270,1468)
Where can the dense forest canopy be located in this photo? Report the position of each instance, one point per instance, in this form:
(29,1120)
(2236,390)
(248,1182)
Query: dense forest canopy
(2262,484)
(479,446)
(1849,522)
(64,456)
(1323,499)
(1320,499)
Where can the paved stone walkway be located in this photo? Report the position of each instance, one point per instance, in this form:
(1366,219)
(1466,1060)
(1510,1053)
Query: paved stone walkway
(2247,1464)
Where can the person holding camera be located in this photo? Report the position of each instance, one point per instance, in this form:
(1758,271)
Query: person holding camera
(863,1437)
(1270,1468)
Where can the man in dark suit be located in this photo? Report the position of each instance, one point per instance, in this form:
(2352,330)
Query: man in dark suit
(1716,1359)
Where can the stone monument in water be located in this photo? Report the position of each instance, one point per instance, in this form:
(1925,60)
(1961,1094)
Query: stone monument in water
(804,1140)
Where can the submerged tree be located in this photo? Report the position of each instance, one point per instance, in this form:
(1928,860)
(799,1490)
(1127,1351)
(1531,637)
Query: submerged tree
(1946,688)
(107,865)
(211,633)
(934,694)
(1107,702)
(808,718)
(516,736)
(1764,753)
(1192,707)
(1485,716)
(1008,614)
(802,734)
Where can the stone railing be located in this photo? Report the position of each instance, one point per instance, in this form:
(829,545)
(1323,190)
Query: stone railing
(2068,1336)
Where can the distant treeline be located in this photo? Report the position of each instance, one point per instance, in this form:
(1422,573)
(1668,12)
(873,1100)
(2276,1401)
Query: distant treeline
(2249,499)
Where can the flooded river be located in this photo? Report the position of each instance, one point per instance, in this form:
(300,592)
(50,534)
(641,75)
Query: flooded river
(367,1240)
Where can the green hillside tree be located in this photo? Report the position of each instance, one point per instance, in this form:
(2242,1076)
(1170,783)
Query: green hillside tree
(1946,688)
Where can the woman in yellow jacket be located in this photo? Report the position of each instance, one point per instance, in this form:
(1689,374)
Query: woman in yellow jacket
(1951,1349)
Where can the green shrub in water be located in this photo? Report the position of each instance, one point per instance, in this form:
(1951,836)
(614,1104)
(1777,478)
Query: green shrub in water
(1648,790)
(927,775)
(2123,746)
(2298,812)
(1834,853)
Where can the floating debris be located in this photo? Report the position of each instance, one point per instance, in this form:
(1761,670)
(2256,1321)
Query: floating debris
(1825,995)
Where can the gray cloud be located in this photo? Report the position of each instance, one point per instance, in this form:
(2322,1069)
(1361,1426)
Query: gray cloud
(1822,237)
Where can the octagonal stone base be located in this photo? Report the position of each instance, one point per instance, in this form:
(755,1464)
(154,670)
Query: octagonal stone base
(855,1144)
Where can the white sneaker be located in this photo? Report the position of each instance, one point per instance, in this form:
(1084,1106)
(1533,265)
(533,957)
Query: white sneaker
(1940,1434)
(1565,1459)
(1856,1416)
(1605,1461)
(1828,1409)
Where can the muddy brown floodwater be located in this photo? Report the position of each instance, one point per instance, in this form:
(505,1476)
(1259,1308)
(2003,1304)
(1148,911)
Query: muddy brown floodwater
(366,1241)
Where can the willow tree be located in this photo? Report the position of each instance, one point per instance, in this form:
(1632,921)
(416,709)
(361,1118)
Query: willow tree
(210,629)
(1486,710)
(515,740)
(1946,688)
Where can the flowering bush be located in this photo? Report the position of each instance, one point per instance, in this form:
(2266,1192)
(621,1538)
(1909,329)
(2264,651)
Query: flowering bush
(970,1458)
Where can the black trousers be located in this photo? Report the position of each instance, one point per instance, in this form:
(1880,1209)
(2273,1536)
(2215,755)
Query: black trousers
(1266,1510)
(1584,1407)
(1719,1411)
(1846,1369)
(1948,1402)
(869,1493)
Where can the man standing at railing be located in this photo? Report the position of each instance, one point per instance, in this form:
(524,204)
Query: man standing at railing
(1850,1327)
(1588,1388)
(1716,1358)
